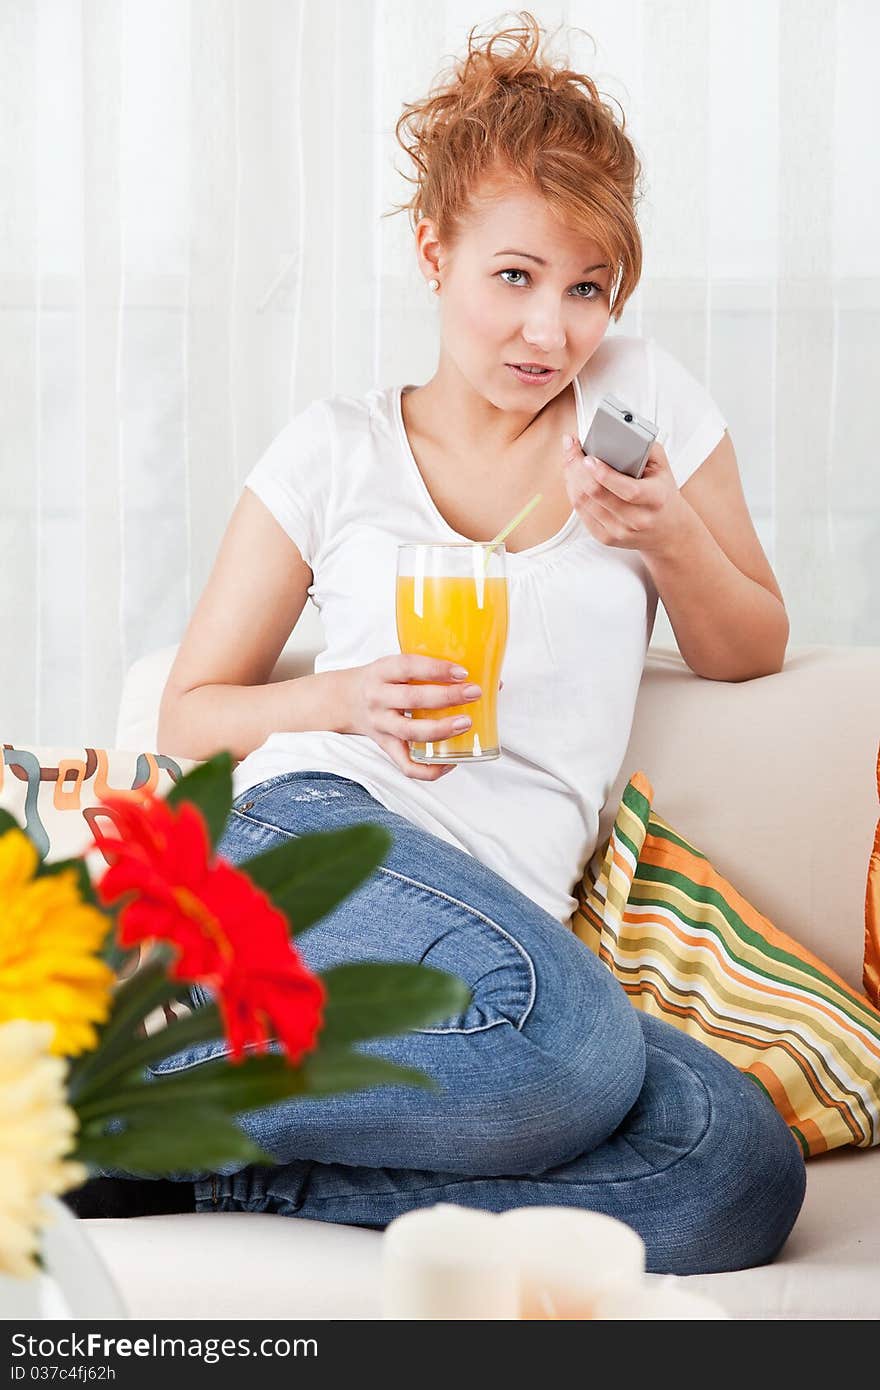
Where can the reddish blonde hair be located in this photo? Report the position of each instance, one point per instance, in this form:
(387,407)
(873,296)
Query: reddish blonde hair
(505,116)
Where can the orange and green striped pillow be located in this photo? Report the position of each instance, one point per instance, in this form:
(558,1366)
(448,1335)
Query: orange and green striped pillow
(689,949)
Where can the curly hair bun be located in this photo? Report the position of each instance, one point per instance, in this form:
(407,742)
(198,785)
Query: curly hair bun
(507,114)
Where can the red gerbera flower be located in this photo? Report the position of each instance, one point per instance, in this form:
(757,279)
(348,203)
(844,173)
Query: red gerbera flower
(228,933)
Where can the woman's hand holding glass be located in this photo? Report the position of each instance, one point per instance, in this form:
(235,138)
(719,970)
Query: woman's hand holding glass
(383,692)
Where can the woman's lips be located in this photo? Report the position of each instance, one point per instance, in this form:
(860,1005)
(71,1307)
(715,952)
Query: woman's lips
(533,378)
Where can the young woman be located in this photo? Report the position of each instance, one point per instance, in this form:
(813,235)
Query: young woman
(554,1089)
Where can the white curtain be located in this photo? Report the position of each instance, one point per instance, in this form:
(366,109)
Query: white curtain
(191,248)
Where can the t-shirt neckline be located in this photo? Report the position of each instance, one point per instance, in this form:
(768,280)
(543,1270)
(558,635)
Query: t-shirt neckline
(552,541)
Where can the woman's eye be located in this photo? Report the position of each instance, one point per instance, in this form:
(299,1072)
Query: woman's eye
(586,284)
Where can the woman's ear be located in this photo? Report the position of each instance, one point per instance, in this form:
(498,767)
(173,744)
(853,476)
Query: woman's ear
(429,251)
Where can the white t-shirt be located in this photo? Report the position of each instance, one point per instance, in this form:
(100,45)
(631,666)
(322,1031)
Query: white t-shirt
(342,481)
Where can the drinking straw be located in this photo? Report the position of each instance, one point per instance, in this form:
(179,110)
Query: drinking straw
(489,546)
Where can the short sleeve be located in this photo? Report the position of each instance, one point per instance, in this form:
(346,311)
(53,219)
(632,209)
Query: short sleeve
(292,478)
(690,423)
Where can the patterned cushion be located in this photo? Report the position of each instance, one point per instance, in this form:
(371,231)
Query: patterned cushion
(689,949)
(871,977)
(55,794)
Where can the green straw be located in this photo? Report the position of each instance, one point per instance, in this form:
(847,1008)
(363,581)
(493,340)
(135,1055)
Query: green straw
(511,526)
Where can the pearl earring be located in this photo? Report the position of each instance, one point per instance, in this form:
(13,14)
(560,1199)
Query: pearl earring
(434,285)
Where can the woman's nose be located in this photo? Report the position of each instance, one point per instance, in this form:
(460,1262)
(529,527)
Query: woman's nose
(545,331)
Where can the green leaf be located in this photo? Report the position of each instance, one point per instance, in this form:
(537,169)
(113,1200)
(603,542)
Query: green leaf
(202,1025)
(209,786)
(371,999)
(377,999)
(308,876)
(173,1143)
(258,1080)
(365,1000)
(135,998)
(7,821)
(229,1086)
(118,957)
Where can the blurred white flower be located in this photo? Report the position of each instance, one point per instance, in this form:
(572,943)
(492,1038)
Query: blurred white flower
(37,1128)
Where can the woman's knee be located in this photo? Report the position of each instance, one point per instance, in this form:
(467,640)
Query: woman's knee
(732,1196)
(766,1183)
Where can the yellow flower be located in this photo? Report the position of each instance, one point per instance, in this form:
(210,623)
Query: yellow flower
(50,970)
(37,1128)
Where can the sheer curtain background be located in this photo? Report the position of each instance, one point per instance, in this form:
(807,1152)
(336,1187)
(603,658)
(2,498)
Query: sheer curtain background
(191,250)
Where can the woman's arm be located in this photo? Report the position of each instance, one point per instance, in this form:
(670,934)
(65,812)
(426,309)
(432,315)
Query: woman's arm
(218,694)
(239,718)
(717,586)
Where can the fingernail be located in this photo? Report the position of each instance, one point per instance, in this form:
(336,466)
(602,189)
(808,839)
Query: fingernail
(462,722)
(472,692)
(458,673)
(567,441)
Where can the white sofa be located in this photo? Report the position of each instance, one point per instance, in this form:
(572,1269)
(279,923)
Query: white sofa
(775,780)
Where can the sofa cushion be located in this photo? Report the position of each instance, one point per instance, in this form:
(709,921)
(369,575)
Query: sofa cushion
(292,1267)
(688,948)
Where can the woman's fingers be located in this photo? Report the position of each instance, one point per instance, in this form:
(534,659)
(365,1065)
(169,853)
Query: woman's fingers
(407,667)
(429,730)
(398,752)
(434,697)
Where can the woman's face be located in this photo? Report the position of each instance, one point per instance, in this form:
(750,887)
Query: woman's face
(517,287)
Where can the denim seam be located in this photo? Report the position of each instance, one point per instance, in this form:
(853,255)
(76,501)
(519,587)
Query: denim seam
(457,902)
(474,912)
(461,1032)
(187,1066)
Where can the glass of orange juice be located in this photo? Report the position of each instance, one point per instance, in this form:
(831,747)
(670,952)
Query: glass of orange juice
(452,604)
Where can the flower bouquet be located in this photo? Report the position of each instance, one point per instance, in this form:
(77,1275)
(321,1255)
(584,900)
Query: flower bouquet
(75,1091)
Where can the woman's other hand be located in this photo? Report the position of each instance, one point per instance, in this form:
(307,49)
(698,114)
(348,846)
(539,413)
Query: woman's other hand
(630,513)
(381,692)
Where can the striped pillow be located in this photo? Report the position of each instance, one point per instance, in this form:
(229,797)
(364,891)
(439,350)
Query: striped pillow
(689,949)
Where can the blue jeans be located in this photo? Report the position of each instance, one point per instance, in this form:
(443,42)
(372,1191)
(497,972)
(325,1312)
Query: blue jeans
(555,1090)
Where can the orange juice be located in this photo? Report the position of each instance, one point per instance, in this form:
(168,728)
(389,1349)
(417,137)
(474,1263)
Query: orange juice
(461,619)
